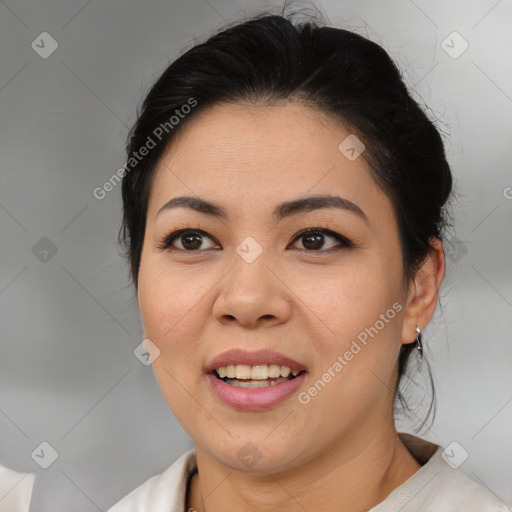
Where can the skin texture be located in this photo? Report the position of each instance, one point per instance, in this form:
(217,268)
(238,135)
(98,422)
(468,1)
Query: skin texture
(341,451)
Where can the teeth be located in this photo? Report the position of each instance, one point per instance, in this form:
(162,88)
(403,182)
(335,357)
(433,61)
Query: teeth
(253,384)
(274,371)
(257,372)
(243,371)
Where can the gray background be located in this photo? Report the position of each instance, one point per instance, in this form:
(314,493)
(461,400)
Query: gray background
(69,320)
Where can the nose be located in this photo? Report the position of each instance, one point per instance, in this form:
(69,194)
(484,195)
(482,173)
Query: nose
(253,294)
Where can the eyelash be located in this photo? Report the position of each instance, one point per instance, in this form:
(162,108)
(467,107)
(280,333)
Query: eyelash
(166,242)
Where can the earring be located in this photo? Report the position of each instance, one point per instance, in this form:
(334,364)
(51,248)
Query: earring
(419,345)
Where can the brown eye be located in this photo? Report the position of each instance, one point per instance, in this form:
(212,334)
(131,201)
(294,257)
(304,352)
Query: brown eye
(315,238)
(190,240)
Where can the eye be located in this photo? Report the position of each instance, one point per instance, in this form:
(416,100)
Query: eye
(314,238)
(189,239)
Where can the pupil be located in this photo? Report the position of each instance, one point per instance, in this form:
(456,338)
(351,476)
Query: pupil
(317,244)
(195,237)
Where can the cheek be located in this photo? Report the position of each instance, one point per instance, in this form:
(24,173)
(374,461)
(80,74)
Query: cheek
(169,299)
(354,324)
(173,316)
(354,318)
(345,300)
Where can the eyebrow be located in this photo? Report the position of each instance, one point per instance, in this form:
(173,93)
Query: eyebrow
(281,211)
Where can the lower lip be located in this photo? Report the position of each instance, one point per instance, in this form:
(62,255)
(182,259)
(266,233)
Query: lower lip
(255,399)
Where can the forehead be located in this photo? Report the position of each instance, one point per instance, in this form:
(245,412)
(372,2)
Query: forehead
(252,155)
(251,135)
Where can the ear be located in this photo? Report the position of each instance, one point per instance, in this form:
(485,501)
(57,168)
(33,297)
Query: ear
(423,291)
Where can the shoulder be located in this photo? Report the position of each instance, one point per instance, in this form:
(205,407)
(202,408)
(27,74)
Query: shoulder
(439,486)
(452,489)
(163,492)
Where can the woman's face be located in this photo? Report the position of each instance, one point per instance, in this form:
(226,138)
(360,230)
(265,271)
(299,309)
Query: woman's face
(248,282)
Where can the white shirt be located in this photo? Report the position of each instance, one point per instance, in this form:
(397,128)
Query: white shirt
(435,487)
(15,490)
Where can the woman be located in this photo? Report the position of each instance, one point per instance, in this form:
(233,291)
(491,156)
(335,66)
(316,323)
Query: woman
(284,201)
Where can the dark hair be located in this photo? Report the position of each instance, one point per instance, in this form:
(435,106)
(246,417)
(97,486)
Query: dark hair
(271,58)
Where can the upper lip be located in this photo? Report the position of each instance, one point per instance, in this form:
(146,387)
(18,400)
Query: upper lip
(239,356)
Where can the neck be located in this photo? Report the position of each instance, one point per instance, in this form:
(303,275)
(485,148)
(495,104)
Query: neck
(354,476)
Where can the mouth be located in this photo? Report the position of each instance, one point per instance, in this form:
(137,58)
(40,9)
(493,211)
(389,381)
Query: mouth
(255,394)
(254,381)
(256,376)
